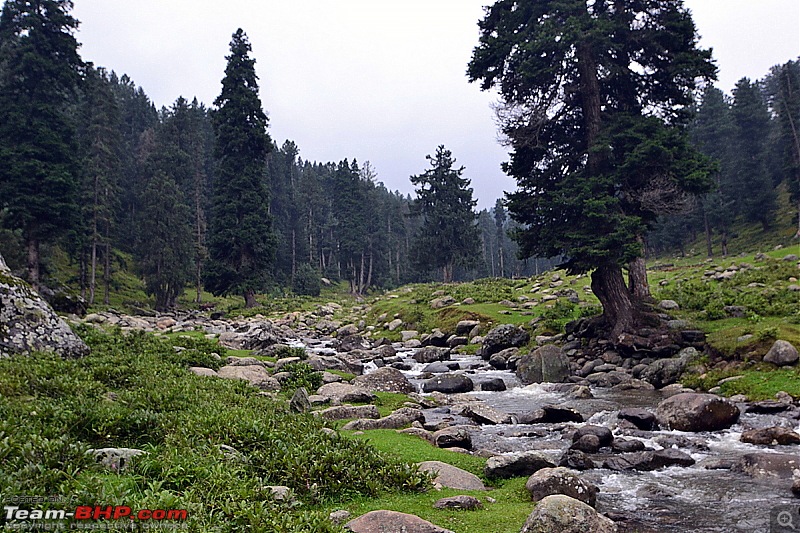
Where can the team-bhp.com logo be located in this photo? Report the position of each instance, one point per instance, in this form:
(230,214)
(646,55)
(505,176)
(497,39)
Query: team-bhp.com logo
(14,515)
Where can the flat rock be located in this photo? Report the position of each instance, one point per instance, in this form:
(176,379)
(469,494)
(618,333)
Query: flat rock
(770,436)
(346,412)
(392,522)
(767,465)
(641,418)
(203,371)
(401,418)
(483,414)
(467,503)
(452,477)
(449,384)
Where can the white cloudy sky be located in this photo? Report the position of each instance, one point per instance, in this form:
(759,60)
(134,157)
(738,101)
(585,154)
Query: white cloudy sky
(377,80)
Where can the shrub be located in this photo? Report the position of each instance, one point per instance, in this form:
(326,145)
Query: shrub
(302,375)
(307,281)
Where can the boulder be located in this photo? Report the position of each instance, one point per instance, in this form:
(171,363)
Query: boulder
(648,461)
(492,384)
(464,327)
(403,417)
(449,384)
(385,521)
(669,305)
(28,323)
(691,411)
(300,402)
(256,375)
(502,337)
(394,324)
(547,364)
(641,418)
(561,514)
(453,437)
(345,393)
(769,436)
(386,379)
(115,459)
(516,464)
(550,414)
(576,460)
(466,503)
(602,433)
(587,444)
(663,372)
(444,301)
(560,480)
(451,477)
(782,353)
(431,354)
(763,465)
(483,414)
(347,412)
(203,371)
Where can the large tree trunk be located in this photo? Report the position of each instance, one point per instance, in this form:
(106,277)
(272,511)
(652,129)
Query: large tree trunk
(708,233)
(107,275)
(637,276)
(724,242)
(608,285)
(93,272)
(34,276)
(250,299)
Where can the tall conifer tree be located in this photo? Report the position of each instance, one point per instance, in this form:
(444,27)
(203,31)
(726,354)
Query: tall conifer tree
(41,70)
(241,243)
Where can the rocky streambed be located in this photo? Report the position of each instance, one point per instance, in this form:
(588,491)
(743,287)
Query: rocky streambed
(650,476)
(662,458)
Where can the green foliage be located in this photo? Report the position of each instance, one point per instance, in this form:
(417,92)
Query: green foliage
(307,281)
(241,242)
(134,391)
(588,175)
(555,318)
(39,77)
(291,351)
(302,375)
(448,235)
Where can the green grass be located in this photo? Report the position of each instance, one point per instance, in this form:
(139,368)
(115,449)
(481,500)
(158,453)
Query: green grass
(759,383)
(135,391)
(506,515)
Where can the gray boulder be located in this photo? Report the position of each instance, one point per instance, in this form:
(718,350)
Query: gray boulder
(385,521)
(663,372)
(641,418)
(561,514)
(762,465)
(300,402)
(453,437)
(386,379)
(28,323)
(516,464)
(405,416)
(560,480)
(547,364)
(483,414)
(466,503)
(451,477)
(256,375)
(691,411)
(449,384)
(431,354)
(502,337)
(782,353)
(769,436)
(346,412)
(115,459)
(345,393)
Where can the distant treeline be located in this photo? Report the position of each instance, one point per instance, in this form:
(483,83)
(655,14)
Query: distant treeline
(754,138)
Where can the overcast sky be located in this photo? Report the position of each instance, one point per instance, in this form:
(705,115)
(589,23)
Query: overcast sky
(382,81)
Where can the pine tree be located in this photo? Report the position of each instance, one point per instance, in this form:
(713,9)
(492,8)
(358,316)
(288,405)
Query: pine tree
(500,217)
(783,88)
(101,169)
(594,99)
(241,242)
(756,196)
(38,174)
(165,252)
(448,236)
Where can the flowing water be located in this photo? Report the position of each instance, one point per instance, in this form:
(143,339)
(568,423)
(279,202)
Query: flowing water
(675,499)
